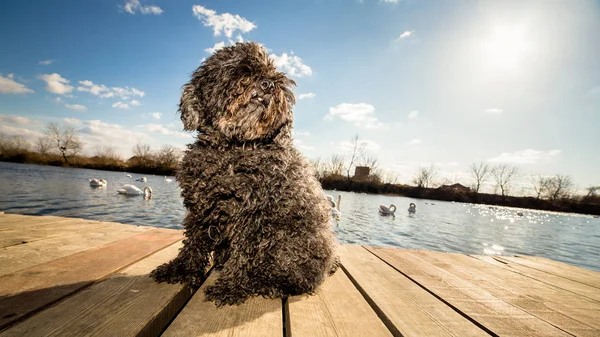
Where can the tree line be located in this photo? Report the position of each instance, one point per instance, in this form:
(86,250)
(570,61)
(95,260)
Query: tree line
(61,145)
(556,192)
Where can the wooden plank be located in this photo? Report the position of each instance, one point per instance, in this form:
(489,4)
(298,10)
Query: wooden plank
(256,317)
(479,304)
(23,256)
(551,304)
(551,279)
(337,309)
(128,303)
(11,221)
(405,307)
(31,289)
(587,277)
(19,236)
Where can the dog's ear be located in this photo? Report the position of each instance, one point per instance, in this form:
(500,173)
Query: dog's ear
(189,108)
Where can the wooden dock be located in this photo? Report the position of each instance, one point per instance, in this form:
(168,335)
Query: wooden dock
(75,277)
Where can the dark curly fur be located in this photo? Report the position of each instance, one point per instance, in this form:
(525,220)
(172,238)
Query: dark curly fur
(253,203)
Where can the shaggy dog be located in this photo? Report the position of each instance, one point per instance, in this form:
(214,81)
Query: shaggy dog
(253,203)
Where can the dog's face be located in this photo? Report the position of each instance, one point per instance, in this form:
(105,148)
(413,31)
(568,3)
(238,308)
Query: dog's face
(238,95)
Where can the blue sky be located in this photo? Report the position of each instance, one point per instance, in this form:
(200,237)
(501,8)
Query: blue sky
(421,82)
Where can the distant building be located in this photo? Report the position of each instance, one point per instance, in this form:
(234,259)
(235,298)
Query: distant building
(361,172)
(456,188)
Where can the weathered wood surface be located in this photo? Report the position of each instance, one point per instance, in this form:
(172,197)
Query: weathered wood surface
(62,276)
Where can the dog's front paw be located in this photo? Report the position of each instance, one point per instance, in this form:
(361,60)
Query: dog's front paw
(222,295)
(334,267)
(176,272)
(166,273)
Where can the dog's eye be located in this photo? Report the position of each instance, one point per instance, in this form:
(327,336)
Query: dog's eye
(265,84)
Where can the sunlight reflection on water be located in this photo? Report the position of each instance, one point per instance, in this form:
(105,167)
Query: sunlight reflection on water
(437,225)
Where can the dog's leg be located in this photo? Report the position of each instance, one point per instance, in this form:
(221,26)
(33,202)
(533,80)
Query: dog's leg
(191,265)
(231,286)
(335,266)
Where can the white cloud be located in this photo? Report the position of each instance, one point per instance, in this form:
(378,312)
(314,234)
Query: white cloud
(9,119)
(105,92)
(291,64)
(76,107)
(528,156)
(368,145)
(57,84)
(222,23)
(405,34)
(135,102)
(415,141)
(300,144)
(300,133)
(216,47)
(413,114)
(120,105)
(132,6)
(361,114)
(27,134)
(9,86)
(493,110)
(156,115)
(157,128)
(72,121)
(46,62)
(390,1)
(308,95)
(593,91)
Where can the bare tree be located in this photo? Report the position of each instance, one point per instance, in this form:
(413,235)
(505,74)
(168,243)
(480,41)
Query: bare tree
(43,145)
(504,175)
(142,154)
(67,141)
(168,156)
(480,172)
(369,161)
(13,145)
(319,167)
(592,191)
(559,186)
(107,154)
(357,151)
(335,166)
(540,185)
(390,177)
(425,176)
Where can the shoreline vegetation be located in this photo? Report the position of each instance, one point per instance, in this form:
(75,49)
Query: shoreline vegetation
(62,147)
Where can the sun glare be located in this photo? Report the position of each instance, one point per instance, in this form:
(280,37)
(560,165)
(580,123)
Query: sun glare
(506,48)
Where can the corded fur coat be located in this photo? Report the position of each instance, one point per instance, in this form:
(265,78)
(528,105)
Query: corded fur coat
(254,205)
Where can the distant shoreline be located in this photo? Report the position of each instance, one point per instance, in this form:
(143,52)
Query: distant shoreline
(563,205)
(350,185)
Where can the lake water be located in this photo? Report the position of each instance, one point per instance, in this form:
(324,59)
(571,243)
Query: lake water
(437,225)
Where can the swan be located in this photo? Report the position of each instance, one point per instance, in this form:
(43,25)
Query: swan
(387,210)
(335,208)
(142,179)
(128,175)
(134,190)
(168,179)
(412,208)
(98,182)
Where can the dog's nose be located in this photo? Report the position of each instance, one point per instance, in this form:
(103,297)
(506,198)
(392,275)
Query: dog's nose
(267,85)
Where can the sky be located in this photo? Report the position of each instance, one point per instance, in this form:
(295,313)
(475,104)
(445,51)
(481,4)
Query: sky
(447,83)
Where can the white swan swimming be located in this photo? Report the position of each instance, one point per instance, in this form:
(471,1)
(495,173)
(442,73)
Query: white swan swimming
(384,210)
(128,175)
(142,179)
(412,208)
(134,190)
(98,182)
(335,208)
(168,179)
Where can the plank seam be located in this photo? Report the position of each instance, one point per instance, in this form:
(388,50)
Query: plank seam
(285,317)
(545,271)
(386,321)
(75,291)
(460,312)
(544,282)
